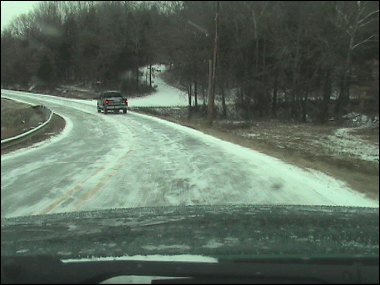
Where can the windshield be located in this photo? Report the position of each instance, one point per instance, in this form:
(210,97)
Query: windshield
(238,130)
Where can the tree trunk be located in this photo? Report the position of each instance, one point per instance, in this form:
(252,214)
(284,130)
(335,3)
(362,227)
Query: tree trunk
(189,91)
(137,77)
(295,75)
(137,67)
(257,55)
(275,89)
(263,105)
(223,101)
(195,86)
(210,113)
(189,96)
(344,94)
(326,98)
(150,75)
(210,107)
(203,95)
(304,106)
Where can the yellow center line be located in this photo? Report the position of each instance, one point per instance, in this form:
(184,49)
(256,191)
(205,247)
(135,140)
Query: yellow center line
(57,202)
(100,185)
(91,193)
(79,187)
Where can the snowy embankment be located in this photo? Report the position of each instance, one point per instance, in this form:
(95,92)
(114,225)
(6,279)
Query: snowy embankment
(165,94)
(343,142)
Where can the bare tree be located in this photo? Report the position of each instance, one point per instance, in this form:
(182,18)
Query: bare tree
(352,18)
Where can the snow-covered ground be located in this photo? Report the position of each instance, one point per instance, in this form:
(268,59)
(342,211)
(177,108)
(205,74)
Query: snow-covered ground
(341,143)
(165,95)
(345,143)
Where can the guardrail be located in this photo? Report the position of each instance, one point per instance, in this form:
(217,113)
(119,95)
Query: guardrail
(16,139)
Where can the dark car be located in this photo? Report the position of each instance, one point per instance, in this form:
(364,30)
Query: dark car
(112,101)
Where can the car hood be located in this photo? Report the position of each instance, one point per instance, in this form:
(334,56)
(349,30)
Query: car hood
(260,231)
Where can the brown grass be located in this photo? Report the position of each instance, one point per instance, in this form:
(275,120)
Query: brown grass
(56,125)
(17,118)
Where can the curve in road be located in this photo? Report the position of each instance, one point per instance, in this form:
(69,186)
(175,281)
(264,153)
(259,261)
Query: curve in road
(116,161)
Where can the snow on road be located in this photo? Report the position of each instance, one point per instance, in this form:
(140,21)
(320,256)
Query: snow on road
(134,160)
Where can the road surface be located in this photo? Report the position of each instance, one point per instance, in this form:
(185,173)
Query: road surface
(133,160)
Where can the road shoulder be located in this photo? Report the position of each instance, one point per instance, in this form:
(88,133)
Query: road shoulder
(360,175)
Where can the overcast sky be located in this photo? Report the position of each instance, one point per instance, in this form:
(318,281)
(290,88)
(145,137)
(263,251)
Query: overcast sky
(11,9)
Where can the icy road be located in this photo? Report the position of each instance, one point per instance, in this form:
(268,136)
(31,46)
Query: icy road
(110,161)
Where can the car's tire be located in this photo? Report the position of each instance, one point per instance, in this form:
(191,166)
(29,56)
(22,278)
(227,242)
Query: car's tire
(125,111)
(99,110)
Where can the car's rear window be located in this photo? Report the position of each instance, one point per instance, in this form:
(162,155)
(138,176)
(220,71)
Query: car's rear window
(112,94)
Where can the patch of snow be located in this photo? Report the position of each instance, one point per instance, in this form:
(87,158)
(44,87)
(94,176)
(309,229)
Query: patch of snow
(342,142)
(213,244)
(250,135)
(161,247)
(165,94)
(22,251)
(64,252)
(354,119)
(72,227)
(155,257)
(75,88)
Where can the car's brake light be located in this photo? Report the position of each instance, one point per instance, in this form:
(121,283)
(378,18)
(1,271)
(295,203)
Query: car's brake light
(107,101)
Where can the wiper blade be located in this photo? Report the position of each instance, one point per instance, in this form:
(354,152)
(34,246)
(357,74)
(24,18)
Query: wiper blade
(44,269)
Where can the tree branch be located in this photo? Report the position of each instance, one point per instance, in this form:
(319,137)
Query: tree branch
(369,15)
(203,30)
(263,10)
(344,17)
(366,23)
(254,23)
(362,42)
(348,32)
